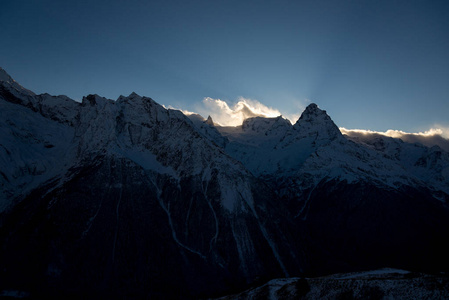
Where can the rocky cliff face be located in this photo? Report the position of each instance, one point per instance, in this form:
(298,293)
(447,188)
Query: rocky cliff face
(128,199)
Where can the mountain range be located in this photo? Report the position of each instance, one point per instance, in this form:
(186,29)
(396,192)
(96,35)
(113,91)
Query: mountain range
(127,199)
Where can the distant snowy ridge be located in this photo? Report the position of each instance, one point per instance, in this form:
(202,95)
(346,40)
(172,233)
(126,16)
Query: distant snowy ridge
(315,146)
(430,138)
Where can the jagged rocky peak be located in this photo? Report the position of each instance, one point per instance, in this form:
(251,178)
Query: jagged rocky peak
(90,99)
(315,121)
(313,114)
(94,100)
(209,121)
(134,95)
(7,81)
(136,99)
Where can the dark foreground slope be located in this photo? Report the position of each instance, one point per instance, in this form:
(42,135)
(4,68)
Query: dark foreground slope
(362,227)
(112,232)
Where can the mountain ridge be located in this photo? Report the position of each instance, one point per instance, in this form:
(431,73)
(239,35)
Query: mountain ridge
(210,209)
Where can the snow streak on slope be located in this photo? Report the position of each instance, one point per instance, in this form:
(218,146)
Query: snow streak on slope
(33,150)
(314,149)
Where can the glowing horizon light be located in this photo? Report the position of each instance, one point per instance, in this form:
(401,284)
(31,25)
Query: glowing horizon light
(224,114)
(227,115)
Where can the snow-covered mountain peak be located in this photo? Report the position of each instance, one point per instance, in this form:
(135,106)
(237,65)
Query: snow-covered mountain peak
(264,125)
(134,95)
(94,100)
(8,82)
(313,107)
(313,114)
(316,122)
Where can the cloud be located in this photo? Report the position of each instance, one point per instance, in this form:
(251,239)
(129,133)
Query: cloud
(434,136)
(226,115)
(445,130)
(184,111)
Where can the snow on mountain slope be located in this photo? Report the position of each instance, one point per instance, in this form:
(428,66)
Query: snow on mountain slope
(429,164)
(33,150)
(133,127)
(314,149)
(260,145)
(202,208)
(257,131)
(77,175)
(12,85)
(316,122)
(207,128)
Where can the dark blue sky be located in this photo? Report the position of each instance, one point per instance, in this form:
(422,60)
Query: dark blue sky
(371,64)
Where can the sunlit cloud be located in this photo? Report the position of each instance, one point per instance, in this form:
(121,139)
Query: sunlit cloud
(434,136)
(233,115)
(227,115)
(444,129)
(184,111)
